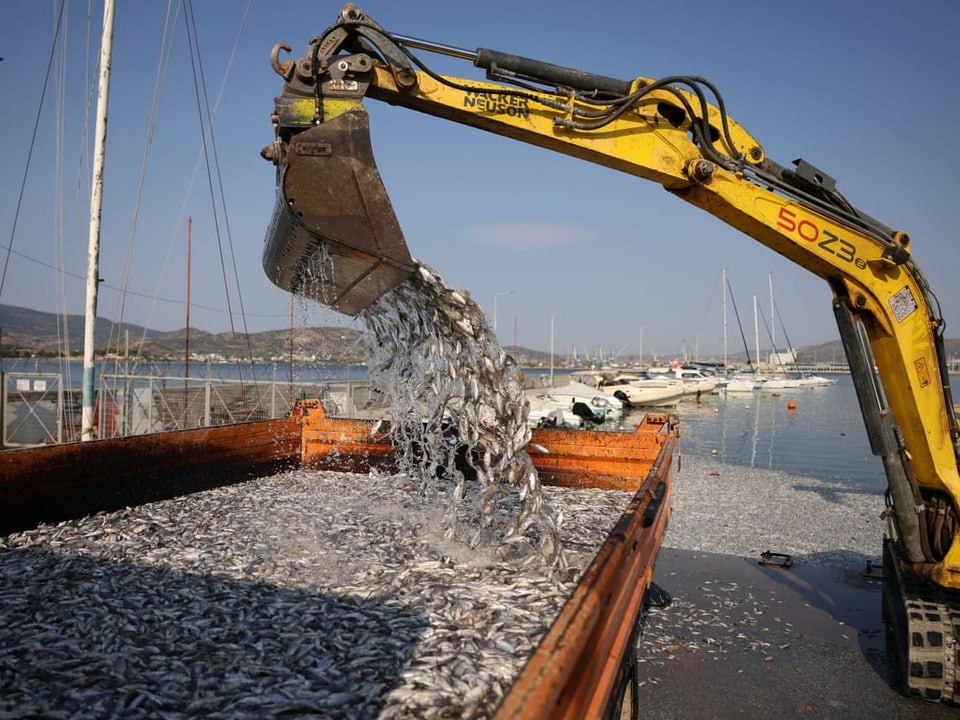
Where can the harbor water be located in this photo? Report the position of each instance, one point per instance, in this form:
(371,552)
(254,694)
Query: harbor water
(823,437)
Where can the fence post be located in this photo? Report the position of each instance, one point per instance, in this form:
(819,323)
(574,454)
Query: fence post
(60,408)
(206,399)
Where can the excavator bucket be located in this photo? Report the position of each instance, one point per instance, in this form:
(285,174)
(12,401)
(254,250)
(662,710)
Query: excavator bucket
(334,237)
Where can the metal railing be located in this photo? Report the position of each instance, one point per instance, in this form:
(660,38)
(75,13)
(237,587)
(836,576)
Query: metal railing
(36,410)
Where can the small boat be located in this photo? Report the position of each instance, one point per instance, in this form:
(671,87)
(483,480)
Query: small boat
(812,380)
(573,391)
(547,411)
(569,404)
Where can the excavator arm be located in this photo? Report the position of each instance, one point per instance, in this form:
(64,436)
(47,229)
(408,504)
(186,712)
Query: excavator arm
(335,237)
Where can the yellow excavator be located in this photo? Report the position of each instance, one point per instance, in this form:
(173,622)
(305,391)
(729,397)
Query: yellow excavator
(335,238)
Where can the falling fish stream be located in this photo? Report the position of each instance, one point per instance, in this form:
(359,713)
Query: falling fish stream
(454,393)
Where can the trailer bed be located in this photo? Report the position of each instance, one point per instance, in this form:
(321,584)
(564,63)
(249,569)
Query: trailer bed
(330,589)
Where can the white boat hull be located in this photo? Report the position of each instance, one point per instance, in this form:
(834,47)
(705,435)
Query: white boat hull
(641,395)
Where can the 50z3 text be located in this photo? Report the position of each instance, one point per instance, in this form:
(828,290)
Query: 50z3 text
(810,231)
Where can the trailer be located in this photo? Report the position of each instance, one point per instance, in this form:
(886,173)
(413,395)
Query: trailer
(63,558)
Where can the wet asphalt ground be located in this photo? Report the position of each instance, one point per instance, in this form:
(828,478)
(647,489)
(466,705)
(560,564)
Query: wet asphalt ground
(743,640)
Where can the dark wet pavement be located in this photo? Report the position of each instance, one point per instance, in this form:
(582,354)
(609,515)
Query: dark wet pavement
(741,640)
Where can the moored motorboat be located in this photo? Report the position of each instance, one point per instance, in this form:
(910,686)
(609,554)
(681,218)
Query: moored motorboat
(796,381)
(571,404)
(693,380)
(638,391)
(570,390)
(745,382)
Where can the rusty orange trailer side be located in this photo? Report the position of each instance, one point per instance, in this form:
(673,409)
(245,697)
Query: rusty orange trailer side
(58,482)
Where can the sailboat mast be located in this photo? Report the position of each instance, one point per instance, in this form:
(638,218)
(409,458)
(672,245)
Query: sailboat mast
(96,206)
(723,297)
(773,324)
(756,330)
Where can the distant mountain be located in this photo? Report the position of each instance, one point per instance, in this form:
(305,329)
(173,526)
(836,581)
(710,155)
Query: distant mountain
(22,327)
(832,352)
(30,332)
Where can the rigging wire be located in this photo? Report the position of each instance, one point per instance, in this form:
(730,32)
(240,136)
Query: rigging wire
(163,63)
(773,344)
(174,8)
(786,338)
(209,148)
(60,84)
(60,269)
(743,337)
(84,172)
(33,144)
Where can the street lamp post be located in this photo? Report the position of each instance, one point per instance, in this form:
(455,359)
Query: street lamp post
(495,296)
(640,363)
(552,318)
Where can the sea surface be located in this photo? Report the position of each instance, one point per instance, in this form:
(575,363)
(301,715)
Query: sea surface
(823,437)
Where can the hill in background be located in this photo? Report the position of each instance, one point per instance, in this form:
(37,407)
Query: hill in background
(31,333)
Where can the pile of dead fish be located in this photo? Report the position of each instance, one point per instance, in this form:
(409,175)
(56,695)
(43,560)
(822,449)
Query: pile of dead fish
(302,595)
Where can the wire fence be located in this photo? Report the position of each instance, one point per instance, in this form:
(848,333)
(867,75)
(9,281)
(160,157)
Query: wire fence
(36,410)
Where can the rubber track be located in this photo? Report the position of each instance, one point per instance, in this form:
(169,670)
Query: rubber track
(923,621)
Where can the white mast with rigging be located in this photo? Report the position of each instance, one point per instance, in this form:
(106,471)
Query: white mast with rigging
(96,205)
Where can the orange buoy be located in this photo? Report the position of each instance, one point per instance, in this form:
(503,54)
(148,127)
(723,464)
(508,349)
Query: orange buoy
(791,404)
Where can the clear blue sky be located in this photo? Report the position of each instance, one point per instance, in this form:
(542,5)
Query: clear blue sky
(866,91)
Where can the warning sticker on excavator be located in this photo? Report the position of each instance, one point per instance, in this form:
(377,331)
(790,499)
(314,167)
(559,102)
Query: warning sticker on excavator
(903,303)
(923,372)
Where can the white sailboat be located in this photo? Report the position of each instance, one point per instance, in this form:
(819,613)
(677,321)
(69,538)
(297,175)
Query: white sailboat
(743,381)
(782,378)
